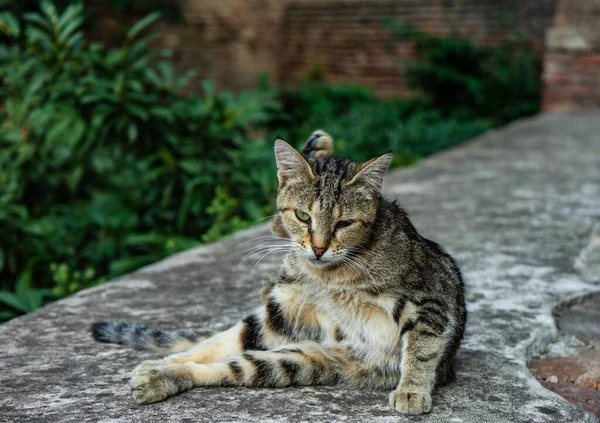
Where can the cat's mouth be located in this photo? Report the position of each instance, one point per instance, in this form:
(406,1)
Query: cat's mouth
(313,261)
(321,263)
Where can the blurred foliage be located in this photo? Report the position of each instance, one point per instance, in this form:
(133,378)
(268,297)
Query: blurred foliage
(467,80)
(365,126)
(105,167)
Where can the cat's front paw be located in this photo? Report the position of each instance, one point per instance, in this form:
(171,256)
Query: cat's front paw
(408,402)
(156,384)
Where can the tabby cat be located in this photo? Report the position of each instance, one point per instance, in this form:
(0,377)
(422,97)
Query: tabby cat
(361,299)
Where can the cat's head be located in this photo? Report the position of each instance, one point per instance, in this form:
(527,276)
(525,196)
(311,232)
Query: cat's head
(328,205)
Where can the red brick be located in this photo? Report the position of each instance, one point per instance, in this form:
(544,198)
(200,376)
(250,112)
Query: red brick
(575,377)
(588,398)
(566,369)
(590,60)
(559,79)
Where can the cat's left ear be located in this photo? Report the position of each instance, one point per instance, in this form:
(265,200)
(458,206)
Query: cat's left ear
(373,171)
(290,163)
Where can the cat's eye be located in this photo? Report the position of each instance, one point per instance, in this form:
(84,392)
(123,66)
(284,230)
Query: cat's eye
(343,224)
(304,217)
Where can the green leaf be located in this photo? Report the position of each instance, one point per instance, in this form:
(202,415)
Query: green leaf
(167,157)
(137,111)
(132,132)
(23,285)
(163,113)
(71,27)
(35,35)
(75,133)
(191,166)
(72,13)
(38,19)
(153,77)
(40,227)
(144,239)
(129,264)
(7,315)
(34,299)
(135,85)
(142,24)
(74,39)
(49,9)
(74,178)
(139,49)
(58,131)
(11,300)
(9,25)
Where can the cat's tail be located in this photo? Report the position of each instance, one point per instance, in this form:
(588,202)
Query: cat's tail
(318,145)
(143,338)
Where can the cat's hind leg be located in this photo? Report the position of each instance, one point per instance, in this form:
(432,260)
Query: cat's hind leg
(301,364)
(272,325)
(219,347)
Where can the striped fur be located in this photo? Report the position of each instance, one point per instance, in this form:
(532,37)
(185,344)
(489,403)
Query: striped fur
(361,299)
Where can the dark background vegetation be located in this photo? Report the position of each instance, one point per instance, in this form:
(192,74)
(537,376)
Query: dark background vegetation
(105,166)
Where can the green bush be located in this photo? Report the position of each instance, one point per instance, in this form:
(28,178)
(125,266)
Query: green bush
(104,167)
(365,126)
(467,80)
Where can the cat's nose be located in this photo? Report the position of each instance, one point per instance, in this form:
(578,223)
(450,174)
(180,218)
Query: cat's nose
(319,251)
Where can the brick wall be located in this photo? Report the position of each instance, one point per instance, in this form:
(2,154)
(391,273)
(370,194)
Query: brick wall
(572,60)
(350,42)
(231,41)
(227,41)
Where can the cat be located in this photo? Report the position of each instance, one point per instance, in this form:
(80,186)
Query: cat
(361,299)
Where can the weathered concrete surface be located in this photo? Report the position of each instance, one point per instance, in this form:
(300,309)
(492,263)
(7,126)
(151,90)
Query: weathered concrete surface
(580,316)
(516,207)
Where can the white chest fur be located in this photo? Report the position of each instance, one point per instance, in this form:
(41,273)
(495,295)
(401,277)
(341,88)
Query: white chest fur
(366,324)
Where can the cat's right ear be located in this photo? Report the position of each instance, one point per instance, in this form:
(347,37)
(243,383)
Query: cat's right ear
(290,163)
(372,172)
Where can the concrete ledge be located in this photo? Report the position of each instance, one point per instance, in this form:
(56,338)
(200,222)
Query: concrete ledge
(516,207)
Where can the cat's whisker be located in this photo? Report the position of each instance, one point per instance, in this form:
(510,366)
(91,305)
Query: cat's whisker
(263,257)
(363,260)
(263,245)
(256,252)
(263,238)
(265,249)
(366,271)
(368,265)
(250,257)
(266,217)
(353,266)
(251,251)
(252,264)
(359,255)
(349,263)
